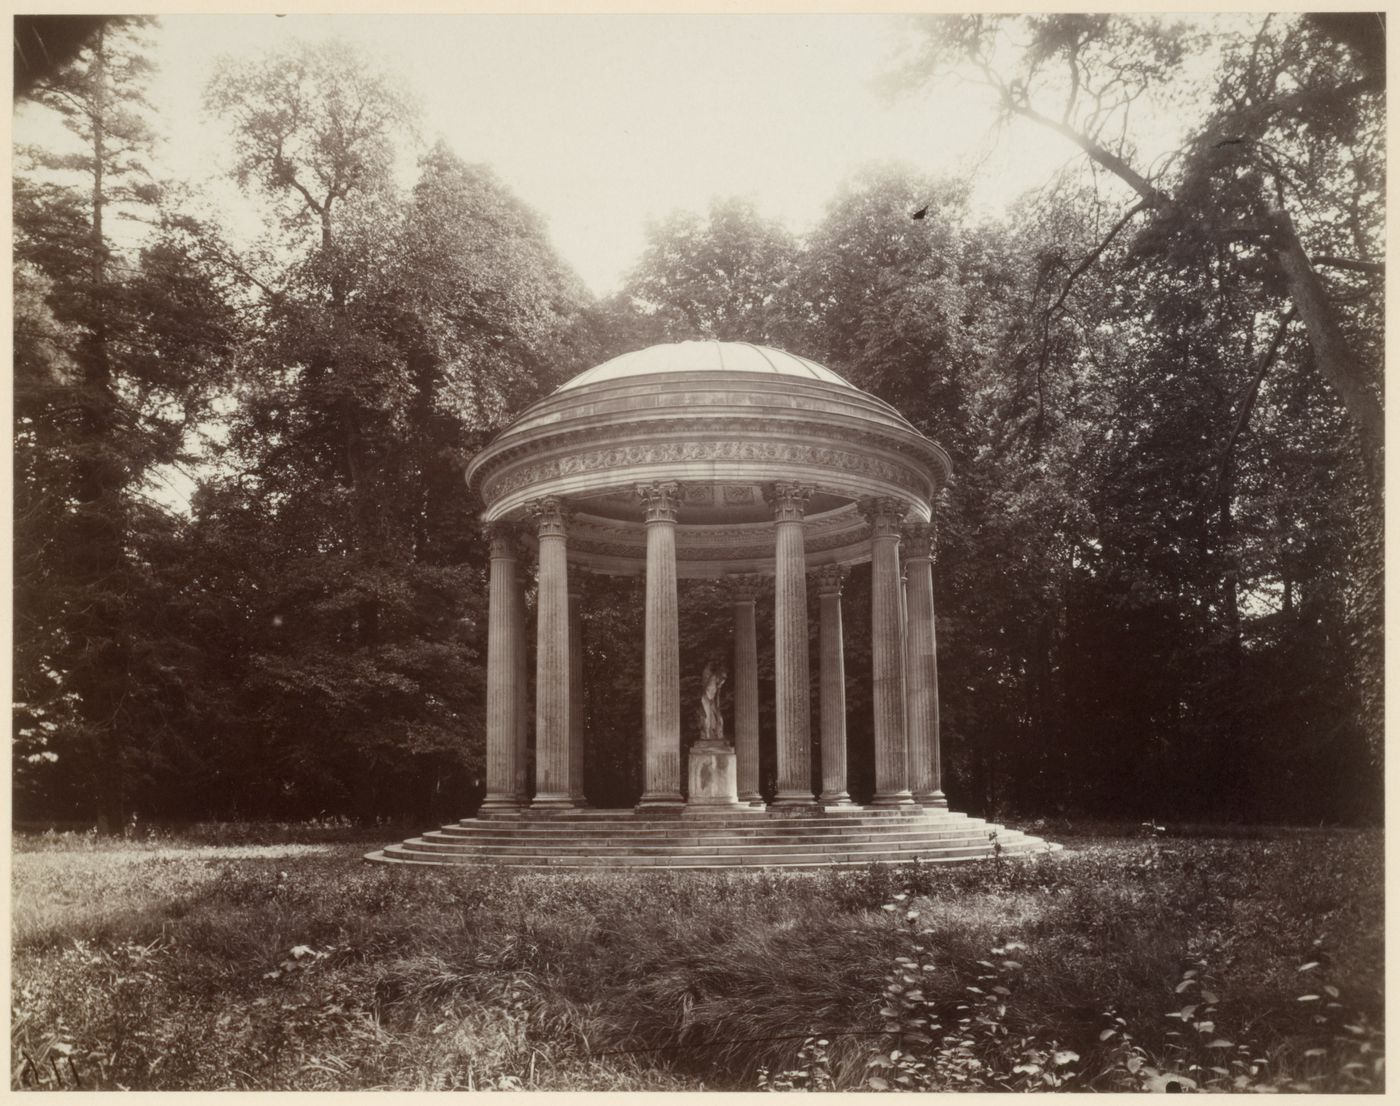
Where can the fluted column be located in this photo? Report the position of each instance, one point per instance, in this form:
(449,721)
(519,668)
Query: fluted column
(745,594)
(552,697)
(791,671)
(925,775)
(662,673)
(833,687)
(887,653)
(904,668)
(502,703)
(522,700)
(576,689)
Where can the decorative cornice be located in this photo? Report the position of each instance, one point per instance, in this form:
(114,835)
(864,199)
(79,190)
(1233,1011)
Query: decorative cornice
(788,500)
(830,579)
(884,513)
(551,516)
(660,500)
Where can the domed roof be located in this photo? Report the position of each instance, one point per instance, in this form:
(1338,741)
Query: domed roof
(706,356)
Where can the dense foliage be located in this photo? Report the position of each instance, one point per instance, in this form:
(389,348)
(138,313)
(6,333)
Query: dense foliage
(1159,569)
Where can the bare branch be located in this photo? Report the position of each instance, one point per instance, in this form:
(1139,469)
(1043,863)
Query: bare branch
(1372,268)
(1251,393)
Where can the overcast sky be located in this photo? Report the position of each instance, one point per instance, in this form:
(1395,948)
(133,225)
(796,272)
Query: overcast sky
(603,122)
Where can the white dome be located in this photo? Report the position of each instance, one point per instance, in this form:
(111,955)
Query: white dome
(706,356)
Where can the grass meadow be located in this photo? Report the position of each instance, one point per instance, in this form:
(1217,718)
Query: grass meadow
(267,958)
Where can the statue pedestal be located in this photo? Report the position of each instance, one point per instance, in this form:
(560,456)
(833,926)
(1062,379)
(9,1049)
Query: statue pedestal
(714,780)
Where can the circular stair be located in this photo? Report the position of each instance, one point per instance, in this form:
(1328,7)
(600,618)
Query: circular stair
(592,839)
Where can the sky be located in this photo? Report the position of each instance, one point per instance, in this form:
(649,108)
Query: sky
(601,123)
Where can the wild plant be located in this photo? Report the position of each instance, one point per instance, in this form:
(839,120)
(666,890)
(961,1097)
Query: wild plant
(813,1071)
(1342,1039)
(978,1050)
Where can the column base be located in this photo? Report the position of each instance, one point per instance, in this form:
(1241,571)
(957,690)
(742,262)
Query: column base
(931,799)
(498,805)
(553,802)
(894,799)
(753,798)
(793,800)
(661,802)
(835,799)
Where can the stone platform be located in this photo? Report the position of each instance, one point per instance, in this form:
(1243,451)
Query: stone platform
(593,839)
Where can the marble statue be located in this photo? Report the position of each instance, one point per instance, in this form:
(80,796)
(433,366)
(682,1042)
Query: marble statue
(711,721)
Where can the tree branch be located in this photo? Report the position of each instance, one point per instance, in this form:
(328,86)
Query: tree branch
(1372,268)
(1251,394)
(1097,252)
(1151,195)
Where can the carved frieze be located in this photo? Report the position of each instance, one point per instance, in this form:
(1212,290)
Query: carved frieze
(675,452)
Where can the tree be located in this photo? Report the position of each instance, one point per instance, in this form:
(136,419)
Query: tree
(884,297)
(117,352)
(405,330)
(726,276)
(1296,92)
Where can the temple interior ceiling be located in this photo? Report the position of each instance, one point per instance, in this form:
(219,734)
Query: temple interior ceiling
(702,504)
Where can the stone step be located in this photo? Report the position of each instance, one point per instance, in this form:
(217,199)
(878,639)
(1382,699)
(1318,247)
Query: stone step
(647,833)
(512,852)
(757,824)
(627,813)
(591,840)
(824,859)
(657,841)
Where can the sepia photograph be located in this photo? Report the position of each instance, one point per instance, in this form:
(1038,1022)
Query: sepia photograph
(698,552)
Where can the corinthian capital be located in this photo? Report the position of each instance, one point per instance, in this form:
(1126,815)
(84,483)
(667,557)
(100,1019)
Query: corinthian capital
(551,516)
(660,500)
(884,513)
(504,538)
(745,588)
(789,501)
(918,540)
(829,579)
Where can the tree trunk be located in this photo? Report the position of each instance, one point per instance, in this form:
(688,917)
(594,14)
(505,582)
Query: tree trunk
(99,554)
(1329,345)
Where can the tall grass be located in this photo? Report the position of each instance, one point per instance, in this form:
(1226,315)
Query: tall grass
(277,967)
